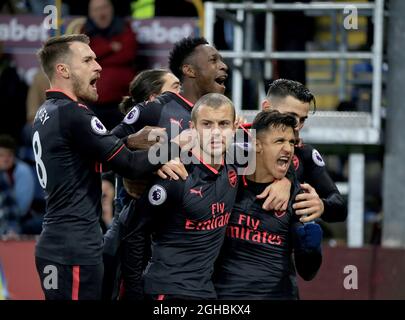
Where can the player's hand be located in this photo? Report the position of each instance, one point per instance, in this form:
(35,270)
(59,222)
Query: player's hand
(173,170)
(277,195)
(146,137)
(308,203)
(135,188)
(186,140)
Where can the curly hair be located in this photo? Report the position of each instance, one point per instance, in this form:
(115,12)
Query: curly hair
(181,51)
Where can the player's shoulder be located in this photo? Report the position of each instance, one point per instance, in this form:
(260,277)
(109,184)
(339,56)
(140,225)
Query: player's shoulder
(163,189)
(309,154)
(67,106)
(165,97)
(149,107)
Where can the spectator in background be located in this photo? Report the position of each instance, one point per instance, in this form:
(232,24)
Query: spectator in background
(16,187)
(13,7)
(114,43)
(13,92)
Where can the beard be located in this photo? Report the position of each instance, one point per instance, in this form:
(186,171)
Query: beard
(82,91)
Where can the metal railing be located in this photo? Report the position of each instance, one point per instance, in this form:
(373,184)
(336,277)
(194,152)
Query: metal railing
(240,55)
(359,128)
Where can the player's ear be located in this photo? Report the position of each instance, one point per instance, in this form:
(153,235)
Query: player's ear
(258,145)
(188,71)
(152,97)
(266,104)
(63,70)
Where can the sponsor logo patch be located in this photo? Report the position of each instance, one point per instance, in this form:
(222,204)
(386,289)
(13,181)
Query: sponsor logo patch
(157,195)
(98,126)
(316,156)
(132,116)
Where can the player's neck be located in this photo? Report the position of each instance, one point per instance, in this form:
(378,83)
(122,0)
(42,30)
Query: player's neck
(188,91)
(214,162)
(261,174)
(58,85)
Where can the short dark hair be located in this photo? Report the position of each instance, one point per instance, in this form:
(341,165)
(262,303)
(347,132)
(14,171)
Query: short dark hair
(267,119)
(57,48)
(212,100)
(282,88)
(8,142)
(145,84)
(181,51)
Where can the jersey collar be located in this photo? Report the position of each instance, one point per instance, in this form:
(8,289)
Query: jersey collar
(58,93)
(206,165)
(185,100)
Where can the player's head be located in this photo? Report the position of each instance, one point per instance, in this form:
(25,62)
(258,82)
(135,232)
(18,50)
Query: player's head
(288,96)
(147,85)
(194,61)
(69,62)
(101,12)
(213,117)
(274,142)
(8,147)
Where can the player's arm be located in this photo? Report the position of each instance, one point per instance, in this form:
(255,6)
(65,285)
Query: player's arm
(316,175)
(307,249)
(91,138)
(151,209)
(305,239)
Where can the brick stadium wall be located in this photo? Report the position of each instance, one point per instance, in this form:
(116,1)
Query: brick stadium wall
(380,273)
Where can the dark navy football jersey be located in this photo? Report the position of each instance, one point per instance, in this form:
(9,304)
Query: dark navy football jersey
(188,221)
(169,110)
(71,146)
(255,261)
(310,168)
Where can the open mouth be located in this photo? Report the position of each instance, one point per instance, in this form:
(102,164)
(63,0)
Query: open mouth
(284,162)
(93,83)
(221,80)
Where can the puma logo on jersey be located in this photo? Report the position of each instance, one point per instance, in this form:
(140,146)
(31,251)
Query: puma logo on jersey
(197,192)
(177,122)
